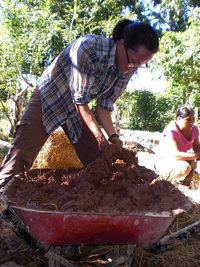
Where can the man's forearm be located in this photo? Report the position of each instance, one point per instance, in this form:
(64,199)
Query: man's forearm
(89,120)
(106,120)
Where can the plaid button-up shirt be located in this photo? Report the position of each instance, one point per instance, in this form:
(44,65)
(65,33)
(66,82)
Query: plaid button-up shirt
(83,71)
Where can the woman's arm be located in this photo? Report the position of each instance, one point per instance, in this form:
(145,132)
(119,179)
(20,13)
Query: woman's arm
(172,143)
(196,145)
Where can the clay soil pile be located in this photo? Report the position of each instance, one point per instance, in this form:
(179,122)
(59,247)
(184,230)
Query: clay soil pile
(113,184)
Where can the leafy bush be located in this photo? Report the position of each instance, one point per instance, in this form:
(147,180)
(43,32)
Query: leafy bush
(4,130)
(144,110)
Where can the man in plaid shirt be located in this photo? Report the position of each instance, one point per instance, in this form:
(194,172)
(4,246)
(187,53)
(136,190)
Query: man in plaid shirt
(91,67)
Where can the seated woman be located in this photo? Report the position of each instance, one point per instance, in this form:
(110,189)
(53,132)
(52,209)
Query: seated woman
(179,147)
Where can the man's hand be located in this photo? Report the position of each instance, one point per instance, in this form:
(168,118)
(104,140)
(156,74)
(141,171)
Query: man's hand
(102,142)
(193,164)
(117,141)
(114,139)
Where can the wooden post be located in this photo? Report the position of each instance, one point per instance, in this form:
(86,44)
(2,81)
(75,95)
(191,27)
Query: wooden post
(117,120)
(196,114)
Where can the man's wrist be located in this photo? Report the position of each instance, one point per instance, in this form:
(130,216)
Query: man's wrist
(112,136)
(99,136)
(97,133)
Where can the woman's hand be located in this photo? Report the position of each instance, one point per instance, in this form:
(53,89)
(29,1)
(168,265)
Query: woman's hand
(193,164)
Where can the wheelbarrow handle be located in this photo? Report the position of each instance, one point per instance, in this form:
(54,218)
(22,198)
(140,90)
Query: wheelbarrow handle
(169,241)
(3,204)
(13,222)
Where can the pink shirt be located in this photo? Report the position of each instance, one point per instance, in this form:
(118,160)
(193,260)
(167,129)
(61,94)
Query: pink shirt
(183,144)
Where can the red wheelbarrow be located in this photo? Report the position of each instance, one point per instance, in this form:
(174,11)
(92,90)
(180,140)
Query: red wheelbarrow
(43,230)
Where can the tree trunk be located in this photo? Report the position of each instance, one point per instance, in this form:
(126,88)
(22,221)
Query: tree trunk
(187,96)
(196,114)
(17,112)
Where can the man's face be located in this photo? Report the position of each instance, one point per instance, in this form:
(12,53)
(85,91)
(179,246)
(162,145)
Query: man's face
(128,59)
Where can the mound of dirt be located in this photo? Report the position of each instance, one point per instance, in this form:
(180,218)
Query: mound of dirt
(51,189)
(105,186)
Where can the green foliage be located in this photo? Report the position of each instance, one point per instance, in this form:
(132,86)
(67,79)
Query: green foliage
(145,110)
(177,13)
(33,32)
(4,130)
(25,41)
(179,59)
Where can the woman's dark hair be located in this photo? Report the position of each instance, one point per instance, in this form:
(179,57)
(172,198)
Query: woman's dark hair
(136,34)
(184,111)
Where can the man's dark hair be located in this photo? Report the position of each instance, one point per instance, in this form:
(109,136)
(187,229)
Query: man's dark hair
(136,34)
